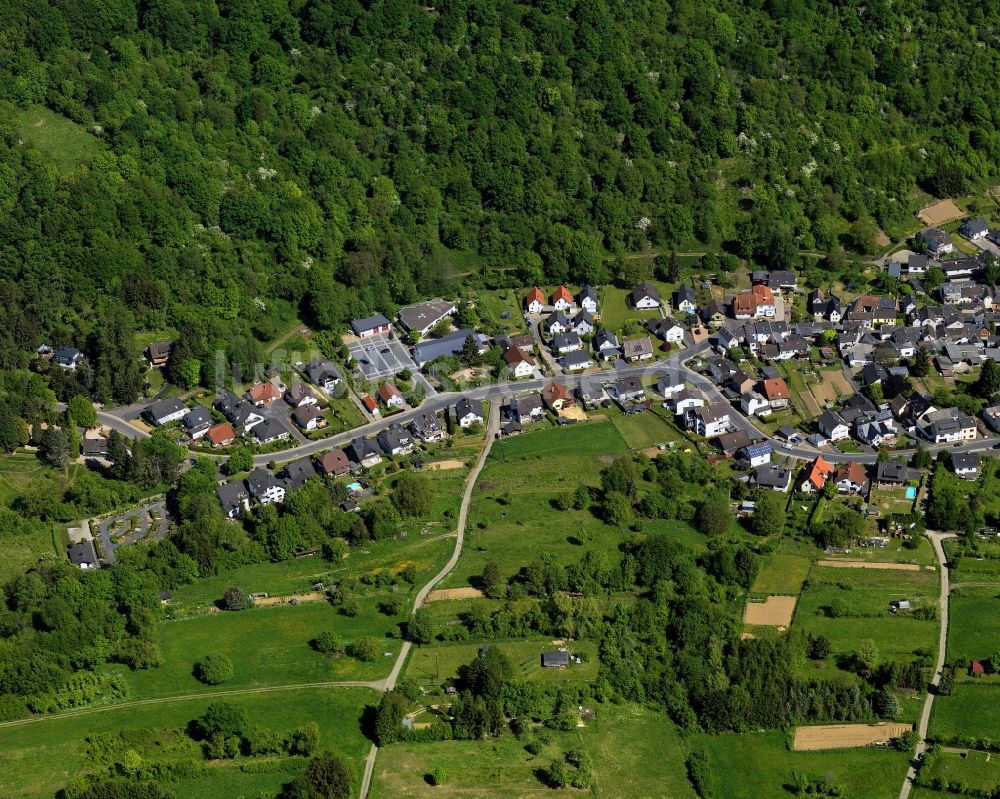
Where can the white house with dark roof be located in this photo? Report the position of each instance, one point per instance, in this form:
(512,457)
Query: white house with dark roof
(937,241)
(265,487)
(645,296)
(165,411)
(606,344)
(323,373)
(974,229)
(197,421)
(587,299)
(466,413)
(709,420)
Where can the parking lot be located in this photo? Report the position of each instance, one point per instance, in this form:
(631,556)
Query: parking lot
(379,357)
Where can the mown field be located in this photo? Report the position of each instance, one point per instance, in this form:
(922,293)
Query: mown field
(636,753)
(760,766)
(977,771)
(782,574)
(40,756)
(970,710)
(974,623)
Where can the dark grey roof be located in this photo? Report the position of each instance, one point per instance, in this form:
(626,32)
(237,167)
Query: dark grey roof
(463,408)
(197,417)
(559,657)
(164,407)
(369,323)
(965,460)
(575,358)
(424,314)
(452,344)
(297,472)
(570,339)
(67,356)
(83,554)
(231,495)
(269,430)
(644,289)
(320,369)
(94,446)
(260,480)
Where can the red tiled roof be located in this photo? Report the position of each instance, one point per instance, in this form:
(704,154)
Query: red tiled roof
(561,293)
(387,391)
(369,403)
(263,392)
(819,471)
(535,294)
(221,433)
(776,389)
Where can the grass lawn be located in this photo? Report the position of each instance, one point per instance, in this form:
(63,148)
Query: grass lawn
(64,143)
(432,665)
(636,754)
(973,624)
(782,574)
(493,304)
(268,646)
(865,595)
(644,430)
(760,765)
(616,312)
(891,500)
(978,771)
(38,758)
(592,438)
(970,710)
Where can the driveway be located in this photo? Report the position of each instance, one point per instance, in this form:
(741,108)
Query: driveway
(378,357)
(145,527)
(986,246)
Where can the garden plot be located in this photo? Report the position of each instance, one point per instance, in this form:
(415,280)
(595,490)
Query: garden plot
(775,611)
(843,736)
(940,212)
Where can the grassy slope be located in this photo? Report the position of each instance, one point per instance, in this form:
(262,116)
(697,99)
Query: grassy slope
(64,143)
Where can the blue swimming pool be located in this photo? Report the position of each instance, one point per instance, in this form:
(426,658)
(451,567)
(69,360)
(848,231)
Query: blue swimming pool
(911,492)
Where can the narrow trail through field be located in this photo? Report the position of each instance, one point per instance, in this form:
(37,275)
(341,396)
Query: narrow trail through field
(463,516)
(375,685)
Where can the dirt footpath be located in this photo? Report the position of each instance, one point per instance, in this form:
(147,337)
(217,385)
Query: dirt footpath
(775,611)
(868,564)
(454,593)
(843,736)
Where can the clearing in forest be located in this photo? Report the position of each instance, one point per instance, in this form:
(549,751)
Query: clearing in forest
(775,611)
(843,736)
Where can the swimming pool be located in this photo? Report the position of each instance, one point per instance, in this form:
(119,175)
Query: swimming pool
(911,492)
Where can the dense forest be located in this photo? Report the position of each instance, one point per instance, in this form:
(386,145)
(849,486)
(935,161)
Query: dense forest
(338,157)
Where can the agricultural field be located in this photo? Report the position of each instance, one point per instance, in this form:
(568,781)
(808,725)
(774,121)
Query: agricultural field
(972,709)
(432,665)
(636,753)
(40,756)
(852,605)
(64,144)
(782,574)
(267,646)
(761,766)
(977,771)
(973,623)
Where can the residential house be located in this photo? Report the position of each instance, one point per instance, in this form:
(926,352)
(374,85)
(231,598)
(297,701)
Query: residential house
(262,394)
(309,417)
(323,373)
(335,462)
(670,384)
(427,428)
(556,323)
(754,404)
(467,414)
(740,382)
(587,299)
(364,452)
(84,555)
(422,317)
(297,473)
(452,344)
(731,443)
(562,299)
(197,421)
(773,477)
(269,431)
(628,389)
(669,330)
(877,431)
(727,340)
(758,302)
(535,301)
(94,449)
(709,420)
(684,401)
(556,397)
(946,426)
(686,300)
(524,410)
(165,411)
(832,425)
(606,344)
(644,296)
(892,474)
(966,464)
(937,241)
(816,474)
(265,487)
(974,229)
(851,478)
(583,323)
(637,349)
(714,314)
(757,454)
(158,353)
(395,440)
(566,342)
(573,361)
(720,369)
(776,391)
(221,435)
(872,375)
(369,404)
(391,396)
(299,395)
(991,416)
(233,497)
(67,358)
(557,659)
(370,326)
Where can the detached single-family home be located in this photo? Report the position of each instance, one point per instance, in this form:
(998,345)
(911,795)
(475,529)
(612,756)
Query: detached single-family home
(309,417)
(816,474)
(524,410)
(261,394)
(606,344)
(221,435)
(684,401)
(323,373)
(891,474)
(335,462)
(197,421)
(158,353)
(709,420)
(670,384)
(574,361)
(966,464)
(370,326)
(582,323)
(566,342)
(938,242)
(714,314)
(165,411)
(974,229)
(391,396)
(555,323)
(297,473)
(776,391)
(84,555)
(668,329)
(427,428)
(851,478)
(587,299)
(395,440)
(773,477)
(268,431)
(757,454)
(644,296)
(364,452)
(535,301)
(265,487)
(557,397)
(467,414)
(520,362)
(299,395)
(422,317)
(562,299)
(628,389)
(67,358)
(686,300)
(234,498)
(832,425)
(94,449)
(754,404)
(637,349)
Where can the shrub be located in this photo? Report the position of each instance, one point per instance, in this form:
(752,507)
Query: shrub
(366,649)
(213,669)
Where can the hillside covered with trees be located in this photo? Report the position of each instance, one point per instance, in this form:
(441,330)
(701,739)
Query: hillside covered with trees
(225,159)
